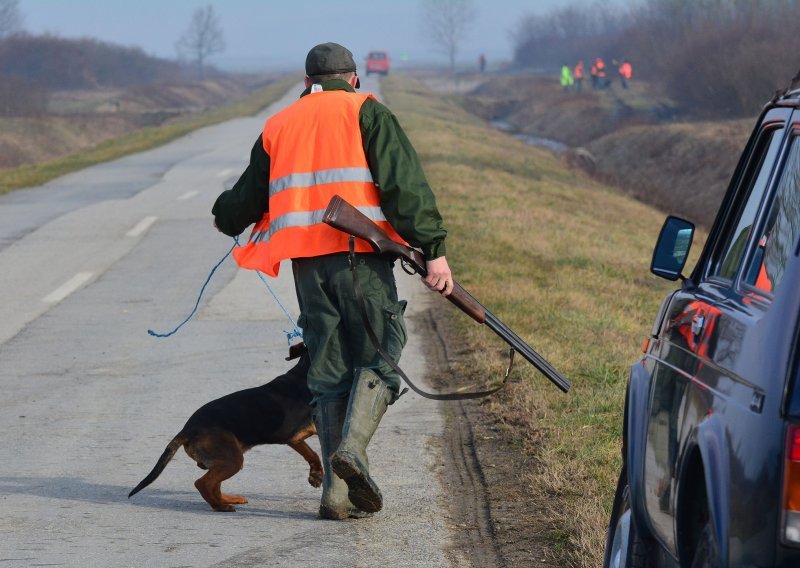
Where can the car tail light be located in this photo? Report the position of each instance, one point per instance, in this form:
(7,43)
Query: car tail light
(791,486)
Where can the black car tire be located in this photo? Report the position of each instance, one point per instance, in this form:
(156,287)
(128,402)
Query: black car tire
(706,555)
(624,547)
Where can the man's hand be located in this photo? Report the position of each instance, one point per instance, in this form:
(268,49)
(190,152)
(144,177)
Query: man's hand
(439,277)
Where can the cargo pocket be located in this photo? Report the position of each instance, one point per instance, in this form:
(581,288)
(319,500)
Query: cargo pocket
(396,334)
(372,275)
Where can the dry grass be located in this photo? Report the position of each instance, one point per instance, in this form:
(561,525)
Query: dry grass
(564,262)
(142,139)
(684,168)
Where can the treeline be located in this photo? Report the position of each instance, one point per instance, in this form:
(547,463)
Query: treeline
(712,57)
(66,64)
(33,66)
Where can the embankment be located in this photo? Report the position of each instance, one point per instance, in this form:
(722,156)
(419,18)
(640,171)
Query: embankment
(633,139)
(81,119)
(90,127)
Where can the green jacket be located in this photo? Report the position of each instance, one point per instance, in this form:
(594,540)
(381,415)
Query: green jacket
(406,198)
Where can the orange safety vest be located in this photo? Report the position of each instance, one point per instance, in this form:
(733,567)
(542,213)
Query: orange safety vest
(601,68)
(579,71)
(315,152)
(626,70)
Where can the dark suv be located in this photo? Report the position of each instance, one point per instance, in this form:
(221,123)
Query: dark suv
(711,433)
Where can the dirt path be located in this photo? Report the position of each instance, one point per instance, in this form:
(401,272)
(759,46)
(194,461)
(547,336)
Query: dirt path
(495,517)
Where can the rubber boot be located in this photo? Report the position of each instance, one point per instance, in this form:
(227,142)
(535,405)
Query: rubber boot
(328,418)
(369,398)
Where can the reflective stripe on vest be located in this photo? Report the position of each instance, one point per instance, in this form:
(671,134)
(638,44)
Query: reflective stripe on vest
(306,219)
(316,152)
(318,178)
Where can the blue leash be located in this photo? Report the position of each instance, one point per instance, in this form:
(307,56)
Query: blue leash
(294,333)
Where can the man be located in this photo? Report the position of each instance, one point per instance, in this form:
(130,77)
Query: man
(336,141)
(625,73)
(566,77)
(578,74)
(602,80)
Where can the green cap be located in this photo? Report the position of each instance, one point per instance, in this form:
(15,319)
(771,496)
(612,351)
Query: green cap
(329,58)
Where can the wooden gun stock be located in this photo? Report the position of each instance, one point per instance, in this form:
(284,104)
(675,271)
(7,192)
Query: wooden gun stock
(343,216)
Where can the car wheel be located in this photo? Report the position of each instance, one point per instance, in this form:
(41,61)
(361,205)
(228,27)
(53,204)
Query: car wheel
(624,547)
(706,555)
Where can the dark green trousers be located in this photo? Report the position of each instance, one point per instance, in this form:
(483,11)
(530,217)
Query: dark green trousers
(332,327)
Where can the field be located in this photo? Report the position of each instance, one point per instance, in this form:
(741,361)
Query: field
(82,131)
(563,260)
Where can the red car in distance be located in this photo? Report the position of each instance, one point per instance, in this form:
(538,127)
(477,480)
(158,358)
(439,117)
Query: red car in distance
(377,62)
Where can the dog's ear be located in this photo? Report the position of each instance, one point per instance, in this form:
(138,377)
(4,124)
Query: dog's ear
(296,350)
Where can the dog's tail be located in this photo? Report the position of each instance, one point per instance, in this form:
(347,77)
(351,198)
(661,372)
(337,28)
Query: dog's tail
(162,462)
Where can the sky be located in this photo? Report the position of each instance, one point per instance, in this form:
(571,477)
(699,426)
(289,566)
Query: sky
(263,35)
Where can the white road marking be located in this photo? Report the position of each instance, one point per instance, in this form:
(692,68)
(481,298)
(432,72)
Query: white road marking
(67,288)
(141,226)
(225,172)
(188,195)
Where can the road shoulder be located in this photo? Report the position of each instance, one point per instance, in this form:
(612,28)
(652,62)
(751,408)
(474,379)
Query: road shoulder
(496,519)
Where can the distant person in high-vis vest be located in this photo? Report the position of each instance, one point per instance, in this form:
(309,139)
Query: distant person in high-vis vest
(602,79)
(578,73)
(625,73)
(566,77)
(334,141)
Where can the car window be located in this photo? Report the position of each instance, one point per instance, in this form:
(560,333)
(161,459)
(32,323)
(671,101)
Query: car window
(778,238)
(757,178)
(377,56)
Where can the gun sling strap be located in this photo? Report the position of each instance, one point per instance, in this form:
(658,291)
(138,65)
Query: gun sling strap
(393,364)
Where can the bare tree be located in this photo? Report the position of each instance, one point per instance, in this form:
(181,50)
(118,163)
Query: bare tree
(202,38)
(10,18)
(445,23)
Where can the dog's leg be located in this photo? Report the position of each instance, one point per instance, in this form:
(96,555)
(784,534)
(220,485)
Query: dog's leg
(298,444)
(223,455)
(210,488)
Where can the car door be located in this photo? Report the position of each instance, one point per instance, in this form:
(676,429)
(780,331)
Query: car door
(695,371)
(752,377)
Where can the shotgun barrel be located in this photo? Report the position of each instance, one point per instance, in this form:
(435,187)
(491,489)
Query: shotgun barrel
(343,216)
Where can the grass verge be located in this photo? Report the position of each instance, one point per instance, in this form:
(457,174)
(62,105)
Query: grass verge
(143,139)
(564,262)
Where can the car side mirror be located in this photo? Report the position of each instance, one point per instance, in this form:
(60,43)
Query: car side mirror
(672,248)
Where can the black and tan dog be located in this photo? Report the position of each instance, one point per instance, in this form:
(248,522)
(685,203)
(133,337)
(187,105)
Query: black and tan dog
(218,434)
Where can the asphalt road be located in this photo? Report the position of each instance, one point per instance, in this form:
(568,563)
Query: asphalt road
(88,263)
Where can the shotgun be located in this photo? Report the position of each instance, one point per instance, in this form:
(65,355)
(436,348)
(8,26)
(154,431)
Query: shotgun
(343,216)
